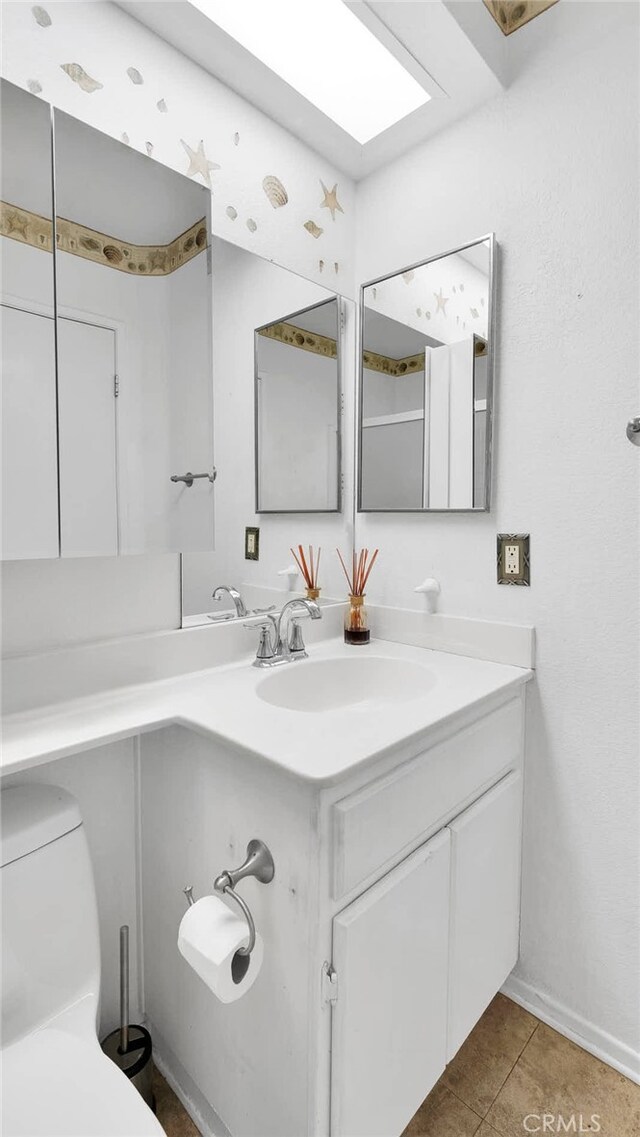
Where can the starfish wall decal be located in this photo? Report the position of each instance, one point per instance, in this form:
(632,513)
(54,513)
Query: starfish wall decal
(199,163)
(441,302)
(331,200)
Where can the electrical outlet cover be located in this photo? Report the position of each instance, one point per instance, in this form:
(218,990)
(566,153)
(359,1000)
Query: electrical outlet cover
(514,565)
(251,543)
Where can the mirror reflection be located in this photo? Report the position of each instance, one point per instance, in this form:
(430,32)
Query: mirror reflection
(425,400)
(134,349)
(29,444)
(277,437)
(297,412)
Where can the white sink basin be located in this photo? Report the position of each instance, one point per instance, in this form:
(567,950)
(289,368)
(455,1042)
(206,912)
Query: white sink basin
(330,684)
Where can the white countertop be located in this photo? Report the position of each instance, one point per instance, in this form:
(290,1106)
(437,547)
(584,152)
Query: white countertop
(221,703)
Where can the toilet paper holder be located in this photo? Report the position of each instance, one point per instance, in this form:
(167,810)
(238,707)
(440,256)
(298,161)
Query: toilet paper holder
(259,864)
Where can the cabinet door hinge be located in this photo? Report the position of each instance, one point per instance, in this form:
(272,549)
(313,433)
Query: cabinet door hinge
(116,386)
(329,984)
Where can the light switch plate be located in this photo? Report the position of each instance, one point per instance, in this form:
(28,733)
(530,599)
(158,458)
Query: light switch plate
(514,565)
(251,543)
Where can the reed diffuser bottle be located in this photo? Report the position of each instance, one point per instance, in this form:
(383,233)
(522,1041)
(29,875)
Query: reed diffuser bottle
(356,620)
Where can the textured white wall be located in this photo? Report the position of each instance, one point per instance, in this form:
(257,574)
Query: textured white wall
(551,167)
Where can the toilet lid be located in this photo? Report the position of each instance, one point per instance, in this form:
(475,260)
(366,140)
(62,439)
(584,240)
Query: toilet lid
(57,1085)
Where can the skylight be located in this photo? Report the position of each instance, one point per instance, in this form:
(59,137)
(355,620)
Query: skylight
(322,50)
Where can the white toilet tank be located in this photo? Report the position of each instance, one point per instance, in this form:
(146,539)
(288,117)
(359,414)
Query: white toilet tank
(50,946)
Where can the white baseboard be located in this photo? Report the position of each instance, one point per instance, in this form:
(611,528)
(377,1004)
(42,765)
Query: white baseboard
(574,1027)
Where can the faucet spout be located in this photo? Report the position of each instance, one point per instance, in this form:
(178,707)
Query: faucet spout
(239,603)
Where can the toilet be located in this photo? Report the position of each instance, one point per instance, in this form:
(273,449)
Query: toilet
(56,1080)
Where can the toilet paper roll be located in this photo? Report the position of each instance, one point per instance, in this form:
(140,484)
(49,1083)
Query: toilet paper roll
(209,937)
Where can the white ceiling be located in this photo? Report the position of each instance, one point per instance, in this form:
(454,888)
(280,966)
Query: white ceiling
(453,46)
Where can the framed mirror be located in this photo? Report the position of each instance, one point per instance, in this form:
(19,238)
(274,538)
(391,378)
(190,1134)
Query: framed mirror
(30,517)
(426,385)
(279,437)
(297,407)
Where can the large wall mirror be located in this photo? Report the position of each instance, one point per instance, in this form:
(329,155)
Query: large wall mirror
(100,435)
(278,435)
(426,385)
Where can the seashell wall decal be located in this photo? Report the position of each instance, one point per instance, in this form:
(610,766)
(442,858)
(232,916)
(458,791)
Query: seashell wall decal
(313,229)
(236,138)
(124,137)
(418,311)
(34,86)
(408,276)
(201,237)
(251,225)
(80,76)
(336,267)
(135,76)
(149,148)
(474,312)
(321,265)
(90,243)
(462,287)
(162,106)
(112,254)
(275,191)
(231,212)
(41,16)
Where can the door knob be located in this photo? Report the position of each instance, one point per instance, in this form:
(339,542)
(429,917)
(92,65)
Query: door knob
(633,430)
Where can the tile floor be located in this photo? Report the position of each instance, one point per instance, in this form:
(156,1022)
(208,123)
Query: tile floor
(511,1068)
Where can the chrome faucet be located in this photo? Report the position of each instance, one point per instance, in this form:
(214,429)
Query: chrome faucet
(281,639)
(240,606)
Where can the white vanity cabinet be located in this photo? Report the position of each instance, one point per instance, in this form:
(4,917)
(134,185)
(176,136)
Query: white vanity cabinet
(391,922)
(419,954)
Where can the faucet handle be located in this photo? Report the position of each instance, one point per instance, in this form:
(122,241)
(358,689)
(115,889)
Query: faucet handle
(266,650)
(296,642)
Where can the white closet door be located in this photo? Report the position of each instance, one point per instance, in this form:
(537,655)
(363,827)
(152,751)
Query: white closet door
(87,415)
(389,1022)
(485,904)
(29,436)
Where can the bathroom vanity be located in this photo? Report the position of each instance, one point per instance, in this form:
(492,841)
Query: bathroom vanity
(393,813)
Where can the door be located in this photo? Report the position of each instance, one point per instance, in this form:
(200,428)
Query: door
(29,436)
(87,425)
(389,1022)
(485,904)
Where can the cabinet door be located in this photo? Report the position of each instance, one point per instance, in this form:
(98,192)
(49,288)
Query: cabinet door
(485,904)
(389,1021)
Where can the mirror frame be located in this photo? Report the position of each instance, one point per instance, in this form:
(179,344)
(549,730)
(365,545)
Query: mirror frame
(339,406)
(491,324)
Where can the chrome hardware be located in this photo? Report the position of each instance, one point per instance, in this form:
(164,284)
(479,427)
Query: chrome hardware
(329,984)
(235,596)
(296,642)
(190,478)
(258,863)
(633,430)
(279,645)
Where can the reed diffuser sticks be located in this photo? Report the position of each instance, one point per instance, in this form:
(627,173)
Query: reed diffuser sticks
(310,570)
(361,566)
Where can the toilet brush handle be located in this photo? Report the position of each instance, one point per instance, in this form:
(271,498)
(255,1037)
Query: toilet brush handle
(124,988)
